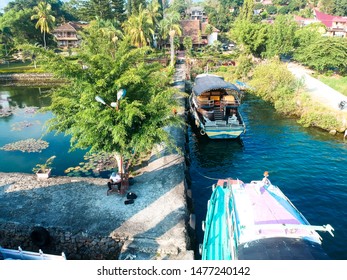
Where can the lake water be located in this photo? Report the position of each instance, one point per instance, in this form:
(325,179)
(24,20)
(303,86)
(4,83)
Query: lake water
(309,165)
(27,122)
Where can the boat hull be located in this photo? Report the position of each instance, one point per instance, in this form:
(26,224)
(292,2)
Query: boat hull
(256,221)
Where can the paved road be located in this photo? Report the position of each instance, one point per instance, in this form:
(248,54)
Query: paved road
(318,90)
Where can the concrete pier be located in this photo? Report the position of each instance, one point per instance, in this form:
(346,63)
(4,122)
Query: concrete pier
(85,223)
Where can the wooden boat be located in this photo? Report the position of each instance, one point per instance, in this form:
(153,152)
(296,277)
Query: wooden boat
(256,221)
(214,106)
(10,254)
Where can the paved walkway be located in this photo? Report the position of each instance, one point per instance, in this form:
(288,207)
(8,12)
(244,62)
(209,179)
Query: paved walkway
(154,226)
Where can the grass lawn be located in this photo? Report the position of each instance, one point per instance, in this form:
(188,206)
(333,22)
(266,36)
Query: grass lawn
(338,83)
(19,67)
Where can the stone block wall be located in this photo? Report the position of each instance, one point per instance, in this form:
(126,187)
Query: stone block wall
(75,246)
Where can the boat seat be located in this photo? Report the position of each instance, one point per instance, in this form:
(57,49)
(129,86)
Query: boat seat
(205,102)
(216,99)
(202,98)
(229,98)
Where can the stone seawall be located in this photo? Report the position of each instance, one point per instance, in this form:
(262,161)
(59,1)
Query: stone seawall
(29,79)
(75,246)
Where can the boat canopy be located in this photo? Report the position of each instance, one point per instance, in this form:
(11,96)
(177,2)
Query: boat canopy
(211,82)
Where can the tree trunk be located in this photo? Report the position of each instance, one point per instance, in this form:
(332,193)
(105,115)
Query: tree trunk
(120,163)
(172,47)
(44,39)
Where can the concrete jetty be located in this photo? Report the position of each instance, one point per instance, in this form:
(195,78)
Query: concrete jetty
(85,223)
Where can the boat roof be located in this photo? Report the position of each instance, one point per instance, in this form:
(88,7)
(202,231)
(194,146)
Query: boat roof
(260,221)
(208,82)
(263,211)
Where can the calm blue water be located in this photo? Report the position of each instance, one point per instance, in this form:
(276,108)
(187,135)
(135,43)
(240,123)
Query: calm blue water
(309,165)
(22,100)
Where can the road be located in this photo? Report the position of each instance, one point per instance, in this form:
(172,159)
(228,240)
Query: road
(320,92)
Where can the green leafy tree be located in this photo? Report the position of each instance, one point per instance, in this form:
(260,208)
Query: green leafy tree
(172,28)
(134,5)
(20,26)
(209,29)
(188,44)
(324,53)
(6,41)
(251,37)
(308,34)
(140,28)
(118,9)
(281,36)
(274,83)
(341,7)
(327,6)
(271,10)
(138,125)
(246,11)
(44,19)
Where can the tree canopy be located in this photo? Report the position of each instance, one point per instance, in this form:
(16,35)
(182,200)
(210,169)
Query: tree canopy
(144,112)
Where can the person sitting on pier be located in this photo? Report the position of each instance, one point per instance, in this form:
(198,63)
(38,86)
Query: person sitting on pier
(115,179)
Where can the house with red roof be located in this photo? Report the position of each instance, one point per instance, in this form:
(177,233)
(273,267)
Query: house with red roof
(336,25)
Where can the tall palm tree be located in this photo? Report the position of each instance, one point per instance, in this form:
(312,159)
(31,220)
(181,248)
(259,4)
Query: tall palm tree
(173,27)
(44,19)
(139,27)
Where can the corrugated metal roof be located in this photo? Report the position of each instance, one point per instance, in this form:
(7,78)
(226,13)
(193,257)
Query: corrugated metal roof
(204,83)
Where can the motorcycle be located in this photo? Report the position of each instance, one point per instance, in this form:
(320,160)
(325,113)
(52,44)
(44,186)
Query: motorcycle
(342,105)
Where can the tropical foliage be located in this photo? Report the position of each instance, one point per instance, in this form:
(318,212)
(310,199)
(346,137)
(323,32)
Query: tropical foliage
(44,19)
(324,53)
(147,108)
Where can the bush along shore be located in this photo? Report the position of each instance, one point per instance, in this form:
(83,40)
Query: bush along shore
(276,84)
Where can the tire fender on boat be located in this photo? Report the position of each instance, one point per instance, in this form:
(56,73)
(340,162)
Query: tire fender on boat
(202,132)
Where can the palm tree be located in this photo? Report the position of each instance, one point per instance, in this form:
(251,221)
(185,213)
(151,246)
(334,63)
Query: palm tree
(173,28)
(45,19)
(139,27)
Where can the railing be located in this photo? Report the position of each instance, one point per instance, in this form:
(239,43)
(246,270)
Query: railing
(229,103)
(206,103)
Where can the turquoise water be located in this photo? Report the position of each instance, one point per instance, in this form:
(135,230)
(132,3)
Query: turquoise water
(26,122)
(309,165)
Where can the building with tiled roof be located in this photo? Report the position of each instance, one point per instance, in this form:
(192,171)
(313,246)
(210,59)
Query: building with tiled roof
(196,30)
(336,25)
(67,36)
